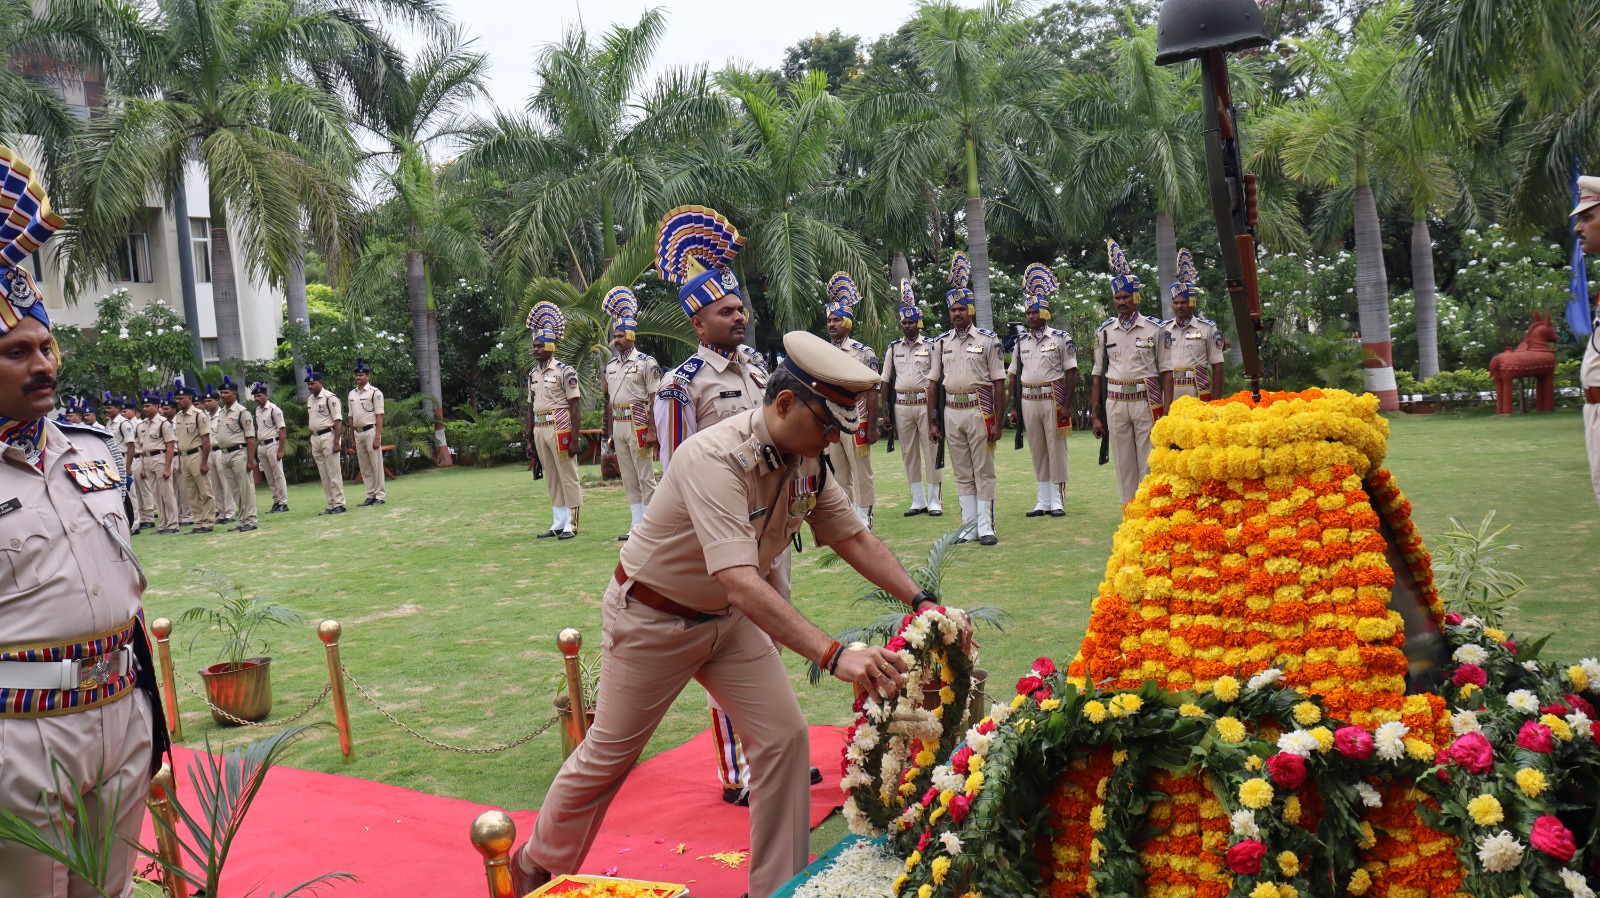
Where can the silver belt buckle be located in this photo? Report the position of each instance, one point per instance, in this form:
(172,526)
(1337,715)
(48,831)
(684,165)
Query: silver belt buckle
(101,671)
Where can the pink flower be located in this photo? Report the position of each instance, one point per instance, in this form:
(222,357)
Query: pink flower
(1557,710)
(960,807)
(1473,752)
(1453,619)
(958,761)
(1353,742)
(1042,694)
(927,837)
(1245,857)
(1511,646)
(1044,667)
(930,795)
(609,871)
(1552,837)
(1579,702)
(1027,685)
(1287,770)
(1534,737)
(987,726)
(897,644)
(1469,673)
(1441,760)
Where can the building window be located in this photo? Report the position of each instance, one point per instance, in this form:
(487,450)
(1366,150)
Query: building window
(133,259)
(200,236)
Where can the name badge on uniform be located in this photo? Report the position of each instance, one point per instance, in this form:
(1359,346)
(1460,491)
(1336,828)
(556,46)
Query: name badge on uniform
(919,352)
(93,476)
(10,505)
(730,394)
(760,512)
(975,349)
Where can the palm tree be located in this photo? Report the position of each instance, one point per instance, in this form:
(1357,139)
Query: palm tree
(982,109)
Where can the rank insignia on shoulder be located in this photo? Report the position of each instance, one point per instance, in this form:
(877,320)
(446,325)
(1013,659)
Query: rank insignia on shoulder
(93,476)
(771,458)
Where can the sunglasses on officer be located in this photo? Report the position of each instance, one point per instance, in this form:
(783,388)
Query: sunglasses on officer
(830,428)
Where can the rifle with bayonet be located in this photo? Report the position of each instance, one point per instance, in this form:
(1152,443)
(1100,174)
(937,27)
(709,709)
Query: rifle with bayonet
(888,402)
(1016,409)
(1100,402)
(936,396)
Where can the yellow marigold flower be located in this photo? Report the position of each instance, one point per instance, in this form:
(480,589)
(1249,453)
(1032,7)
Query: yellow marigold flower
(1050,704)
(1230,730)
(1531,782)
(946,797)
(1017,702)
(1495,633)
(1097,818)
(1100,787)
(1226,688)
(1360,881)
(1255,793)
(1579,678)
(926,757)
(974,782)
(1467,689)
(1558,727)
(926,891)
(1418,750)
(1096,851)
(1254,763)
(1264,890)
(1368,837)
(1125,704)
(1119,757)
(1095,711)
(1485,810)
(975,763)
(899,881)
(913,861)
(947,695)
(934,817)
(1307,714)
(1324,737)
(1188,710)
(941,869)
(1291,809)
(1287,891)
(1288,863)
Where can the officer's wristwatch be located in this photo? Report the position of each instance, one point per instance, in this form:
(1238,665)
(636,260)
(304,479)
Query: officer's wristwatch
(919,598)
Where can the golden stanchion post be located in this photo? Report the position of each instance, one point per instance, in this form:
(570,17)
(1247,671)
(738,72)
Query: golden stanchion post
(570,642)
(328,631)
(493,834)
(167,849)
(161,629)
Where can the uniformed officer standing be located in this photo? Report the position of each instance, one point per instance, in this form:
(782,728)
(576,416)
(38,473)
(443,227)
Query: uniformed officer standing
(852,459)
(1588,230)
(366,431)
(119,421)
(1128,353)
(1192,365)
(169,410)
(326,416)
(86,412)
(690,599)
(271,433)
(968,376)
(553,421)
(75,673)
(221,489)
(194,445)
(905,396)
(157,446)
(236,436)
(1044,367)
(631,381)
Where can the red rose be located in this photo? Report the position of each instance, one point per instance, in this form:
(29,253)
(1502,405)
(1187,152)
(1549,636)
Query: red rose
(958,761)
(1535,737)
(1552,837)
(987,726)
(1473,752)
(1042,694)
(1579,702)
(897,644)
(1557,710)
(1027,685)
(1353,742)
(960,807)
(1469,673)
(1453,619)
(1044,667)
(1287,770)
(1441,760)
(1511,646)
(1245,857)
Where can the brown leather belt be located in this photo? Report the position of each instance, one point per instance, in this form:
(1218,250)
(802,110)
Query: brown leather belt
(648,597)
(1591,395)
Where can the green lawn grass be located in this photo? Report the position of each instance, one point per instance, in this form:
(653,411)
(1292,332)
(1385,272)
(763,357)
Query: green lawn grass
(450,606)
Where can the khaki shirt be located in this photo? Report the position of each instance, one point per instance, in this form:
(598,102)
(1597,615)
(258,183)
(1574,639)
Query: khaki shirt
(708,387)
(236,423)
(1135,350)
(908,363)
(731,501)
(1589,370)
(366,404)
(1196,343)
(213,419)
(122,429)
(269,422)
(966,361)
(153,435)
(323,411)
(189,426)
(630,379)
(62,575)
(552,386)
(1044,357)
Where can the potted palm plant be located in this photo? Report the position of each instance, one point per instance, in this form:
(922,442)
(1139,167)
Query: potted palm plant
(240,686)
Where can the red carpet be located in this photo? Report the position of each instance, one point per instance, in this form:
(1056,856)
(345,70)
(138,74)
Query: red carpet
(398,841)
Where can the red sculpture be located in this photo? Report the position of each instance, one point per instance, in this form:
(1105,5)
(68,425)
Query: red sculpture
(1534,357)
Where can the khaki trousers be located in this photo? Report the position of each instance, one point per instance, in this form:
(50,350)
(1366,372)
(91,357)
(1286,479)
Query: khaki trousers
(370,461)
(272,472)
(1130,424)
(560,468)
(156,494)
(854,471)
(185,510)
(917,453)
(1049,451)
(197,487)
(240,482)
(106,750)
(1591,438)
(646,659)
(143,498)
(970,452)
(221,489)
(638,471)
(326,454)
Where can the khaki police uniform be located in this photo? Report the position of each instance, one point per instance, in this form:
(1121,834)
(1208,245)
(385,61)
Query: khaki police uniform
(1191,348)
(1129,356)
(905,370)
(71,584)
(631,382)
(729,500)
(366,404)
(968,364)
(154,438)
(851,456)
(269,426)
(221,489)
(235,424)
(1040,362)
(185,510)
(323,411)
(121,428)
(191,425)
(550,387)
(1589,377)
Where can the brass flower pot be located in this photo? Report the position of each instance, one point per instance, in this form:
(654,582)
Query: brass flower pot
(245,691)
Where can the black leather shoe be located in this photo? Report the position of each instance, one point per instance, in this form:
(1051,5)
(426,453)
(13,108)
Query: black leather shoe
(378,502)
(914,512)
(224,520)
(567,534)
(244,528)
(545,535)
(369,502)
(935,513)
(1035,513)
(146,526)
(623,538)
(989,540)
(337,509)
(524,881)
(200,530)
(816,776)
(739,798)
(1058,513)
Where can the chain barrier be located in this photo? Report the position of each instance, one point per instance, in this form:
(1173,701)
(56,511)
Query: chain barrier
(265,724)
(436,743)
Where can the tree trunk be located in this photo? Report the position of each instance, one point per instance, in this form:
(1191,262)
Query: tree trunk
(1372,298)
(224,287)
(1426,293)
(1166,261)
(186,280)
(899,269)
(978,239)
(424,348)
(299,316)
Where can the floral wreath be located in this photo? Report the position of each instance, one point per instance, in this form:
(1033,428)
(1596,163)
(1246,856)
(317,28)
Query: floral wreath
(891,748)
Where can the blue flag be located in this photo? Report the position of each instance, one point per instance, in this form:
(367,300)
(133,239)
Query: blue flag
(1578,317)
